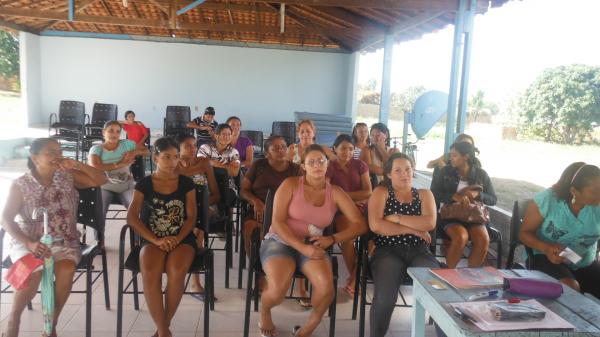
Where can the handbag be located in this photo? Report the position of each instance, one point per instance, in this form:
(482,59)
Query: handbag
(119,180)
(475,213)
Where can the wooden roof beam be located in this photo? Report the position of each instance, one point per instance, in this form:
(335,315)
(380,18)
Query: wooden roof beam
(353,19)
(409,5)
(16,26)
(338,39)
(403,26)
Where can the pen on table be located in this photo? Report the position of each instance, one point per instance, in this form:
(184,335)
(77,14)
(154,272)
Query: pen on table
(481,295)
(464,316)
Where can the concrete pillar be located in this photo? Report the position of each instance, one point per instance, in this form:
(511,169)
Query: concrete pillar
(386,79)
(30,72)
(352,84)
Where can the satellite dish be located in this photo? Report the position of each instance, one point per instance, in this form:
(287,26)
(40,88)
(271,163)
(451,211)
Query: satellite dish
(428,109)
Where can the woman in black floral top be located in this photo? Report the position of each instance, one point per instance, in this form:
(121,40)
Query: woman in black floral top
(163,213)
(400,217)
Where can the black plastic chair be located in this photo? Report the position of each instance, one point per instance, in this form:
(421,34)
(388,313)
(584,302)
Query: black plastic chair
(203,263)
(89,214)
(519,209)
(285,129)
(255,271)
(257,141)
(221,226)
(101,113)
(175,122)
(68,125)
(138,168)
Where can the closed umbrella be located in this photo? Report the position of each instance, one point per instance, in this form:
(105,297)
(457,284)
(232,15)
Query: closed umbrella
(47,286)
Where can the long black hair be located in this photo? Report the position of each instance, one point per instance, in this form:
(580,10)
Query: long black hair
(383,129)
(163,144)
(387,167)
(464,149)
(36,146)
(577,175)
(270,140)
(354,137)
(342,138)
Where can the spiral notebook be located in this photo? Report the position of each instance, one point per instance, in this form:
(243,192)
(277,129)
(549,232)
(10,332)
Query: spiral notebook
(471,278)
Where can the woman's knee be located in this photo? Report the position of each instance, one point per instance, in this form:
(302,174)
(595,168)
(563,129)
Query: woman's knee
(479,236)
(458,234)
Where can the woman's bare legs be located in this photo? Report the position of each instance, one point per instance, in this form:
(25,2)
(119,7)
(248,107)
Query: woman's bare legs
(196,285)
(177,265)
(152,266)
(481,242)
(64,270)
(279,272)
(348,251)
(20,300)
(320,276)
(459,237)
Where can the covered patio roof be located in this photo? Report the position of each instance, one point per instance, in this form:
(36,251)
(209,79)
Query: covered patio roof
(342,25)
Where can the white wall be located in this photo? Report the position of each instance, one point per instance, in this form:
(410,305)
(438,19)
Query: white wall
(258,85)
(30,73)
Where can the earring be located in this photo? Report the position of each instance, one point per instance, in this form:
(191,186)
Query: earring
(573,200)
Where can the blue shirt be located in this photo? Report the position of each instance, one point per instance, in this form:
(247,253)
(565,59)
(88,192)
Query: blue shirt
(560,225)
(116,155)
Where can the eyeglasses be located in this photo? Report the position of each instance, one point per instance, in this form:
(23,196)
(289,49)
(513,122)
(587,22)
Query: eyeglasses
(278,147)
(316,162)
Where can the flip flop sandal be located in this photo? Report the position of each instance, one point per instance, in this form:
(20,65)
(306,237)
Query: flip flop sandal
(295,330)
(263,332)
(304,303)
(349,290)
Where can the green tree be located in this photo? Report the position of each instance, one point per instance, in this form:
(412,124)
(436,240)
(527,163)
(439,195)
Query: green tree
(479,106)
(562,105)
(9,55)
(405,100)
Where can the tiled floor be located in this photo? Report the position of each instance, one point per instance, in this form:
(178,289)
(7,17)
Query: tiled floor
(226,320)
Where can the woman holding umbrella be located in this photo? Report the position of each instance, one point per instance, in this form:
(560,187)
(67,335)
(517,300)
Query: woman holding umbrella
(51,183)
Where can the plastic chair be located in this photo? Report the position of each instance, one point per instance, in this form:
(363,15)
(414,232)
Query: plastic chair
(68,126)
(101,113)
(518,214)
(285,129)
(175,121)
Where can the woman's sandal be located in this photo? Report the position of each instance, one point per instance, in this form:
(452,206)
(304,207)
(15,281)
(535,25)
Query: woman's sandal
(304,302)
(348,289)
(267,332)
(295,330)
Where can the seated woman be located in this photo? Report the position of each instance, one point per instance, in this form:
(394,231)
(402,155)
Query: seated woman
(201,172)
(226,161)
(378,151)
(264,175)
(352,175)
(115,156)
(463,181)
(307,132)
(51,183)
(163,213)
(137,132)
(567,216)
(360,138)
(401,217)
(304,206)
(441,161)
(242,144)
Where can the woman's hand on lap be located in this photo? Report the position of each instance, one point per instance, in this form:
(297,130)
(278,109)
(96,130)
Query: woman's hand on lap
(552,250)
(322,242)
(313,252)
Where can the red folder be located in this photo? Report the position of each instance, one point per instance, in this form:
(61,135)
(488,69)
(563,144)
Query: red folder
(18,274)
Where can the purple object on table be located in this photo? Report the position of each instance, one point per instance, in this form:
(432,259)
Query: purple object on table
(533,287)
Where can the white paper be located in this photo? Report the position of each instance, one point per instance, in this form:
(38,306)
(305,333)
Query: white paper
(570,255)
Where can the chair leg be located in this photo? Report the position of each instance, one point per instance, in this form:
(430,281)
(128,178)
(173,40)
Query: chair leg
(105,280)
(136,301)
(363,295)
(120,303)
(356,284)
(212,281)
(499,257)
(208,293)
(255,291)
(249,294)
(241,262)
(88,302)
(332,308)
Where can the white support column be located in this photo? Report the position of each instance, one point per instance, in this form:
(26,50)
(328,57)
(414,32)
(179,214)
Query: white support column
(352,80)
(386,79)
(30,72)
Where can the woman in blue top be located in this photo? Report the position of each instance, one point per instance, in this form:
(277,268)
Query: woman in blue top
(115,157)
(567,215)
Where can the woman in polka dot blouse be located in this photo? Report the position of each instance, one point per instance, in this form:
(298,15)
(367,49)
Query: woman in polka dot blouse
(400,216)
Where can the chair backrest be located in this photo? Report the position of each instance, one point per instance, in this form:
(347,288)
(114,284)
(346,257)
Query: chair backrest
(256,137)
(71,112)
(268,216)
(518,214)
(103,112)
(89,211)
(176,113)
(285,129)
(202,202)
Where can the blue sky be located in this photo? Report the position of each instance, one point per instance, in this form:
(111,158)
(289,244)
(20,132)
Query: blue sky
(512,45)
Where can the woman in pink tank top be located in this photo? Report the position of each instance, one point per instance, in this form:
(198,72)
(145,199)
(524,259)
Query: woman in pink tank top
(303,208)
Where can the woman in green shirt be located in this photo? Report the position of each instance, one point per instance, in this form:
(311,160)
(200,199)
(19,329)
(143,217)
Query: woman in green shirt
(567,216)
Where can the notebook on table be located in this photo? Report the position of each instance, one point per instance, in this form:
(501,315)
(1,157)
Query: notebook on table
(471,278)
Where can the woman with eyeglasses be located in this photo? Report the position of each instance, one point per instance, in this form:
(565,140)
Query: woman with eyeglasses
(567,215)
(378,152)
(304,206)
(50,183)
(115,157)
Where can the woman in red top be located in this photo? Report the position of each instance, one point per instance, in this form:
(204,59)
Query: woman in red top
(137,132)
